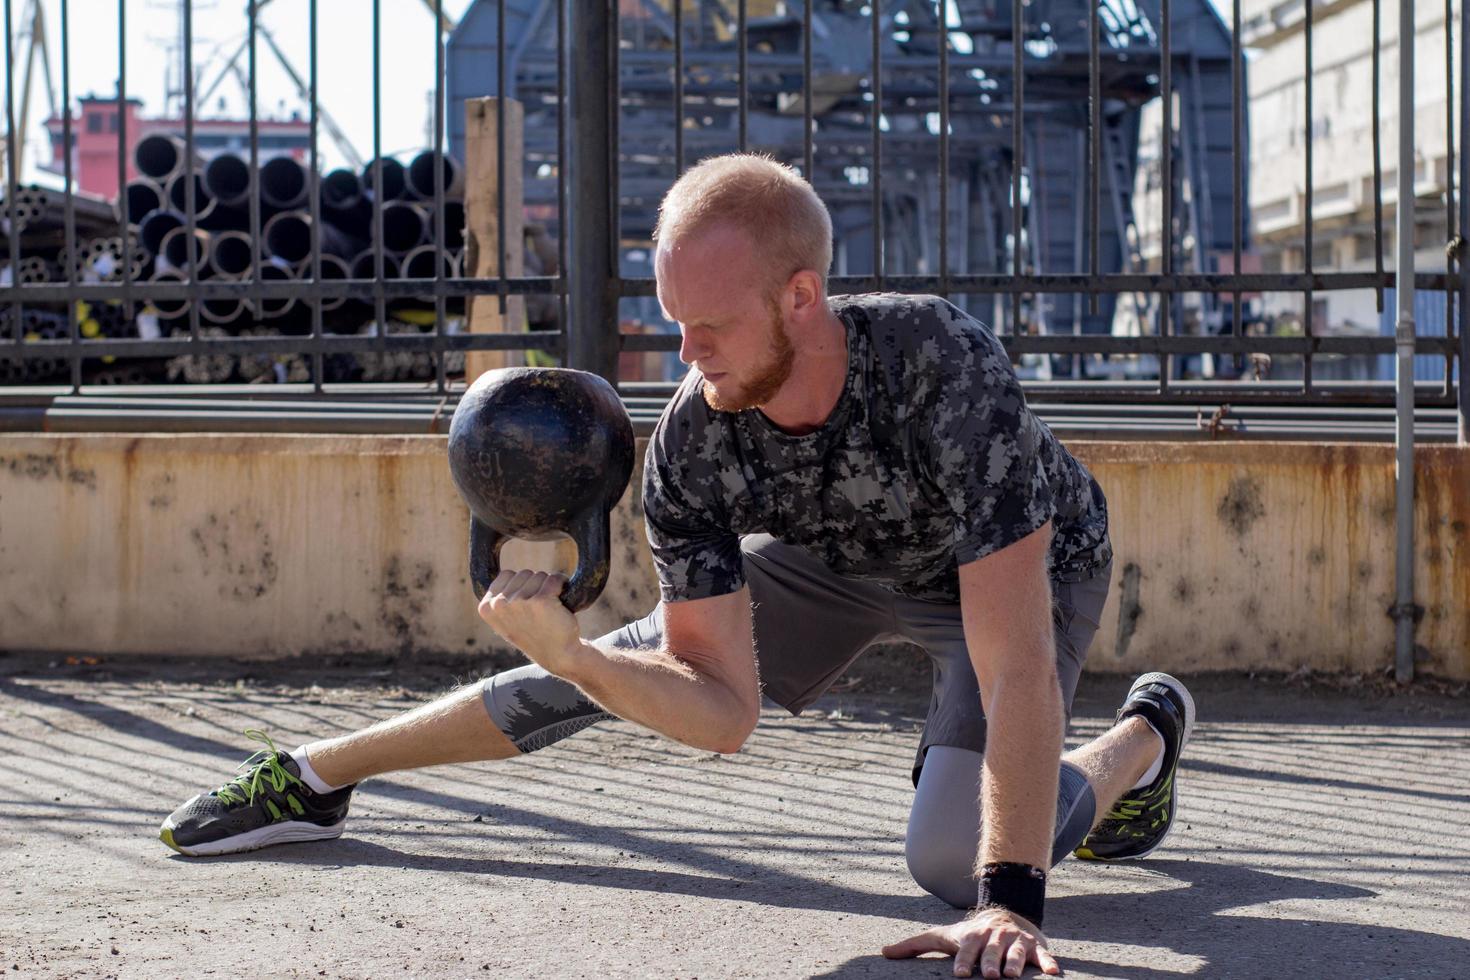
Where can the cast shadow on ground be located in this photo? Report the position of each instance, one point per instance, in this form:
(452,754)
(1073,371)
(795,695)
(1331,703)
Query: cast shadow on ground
(1204,918)
(728,874)
(728,879)
(118,719)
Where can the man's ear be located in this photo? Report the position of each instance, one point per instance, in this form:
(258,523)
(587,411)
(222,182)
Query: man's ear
(805,289)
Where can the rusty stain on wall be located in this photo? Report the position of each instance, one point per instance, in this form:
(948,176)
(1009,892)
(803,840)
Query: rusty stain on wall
(1130,610)
(32,466)
(1241,507)
(405,590)
(237,548)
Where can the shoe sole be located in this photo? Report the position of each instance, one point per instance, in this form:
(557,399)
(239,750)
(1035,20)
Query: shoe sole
(1175,685)
(286,832)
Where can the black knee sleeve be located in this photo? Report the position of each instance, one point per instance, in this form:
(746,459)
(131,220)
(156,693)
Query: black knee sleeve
(534,708)
(1076,811)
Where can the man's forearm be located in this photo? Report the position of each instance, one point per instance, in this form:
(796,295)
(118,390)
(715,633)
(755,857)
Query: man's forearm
(658,690)
(1023,746)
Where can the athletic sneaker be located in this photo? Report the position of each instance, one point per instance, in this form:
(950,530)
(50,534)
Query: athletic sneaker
(1139,822)
(266,804)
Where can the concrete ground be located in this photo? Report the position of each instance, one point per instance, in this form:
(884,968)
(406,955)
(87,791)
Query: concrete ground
(1324,832)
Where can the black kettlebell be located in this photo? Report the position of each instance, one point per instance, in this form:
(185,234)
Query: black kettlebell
(536,453)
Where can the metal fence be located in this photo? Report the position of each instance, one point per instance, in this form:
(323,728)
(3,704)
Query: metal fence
(864,98)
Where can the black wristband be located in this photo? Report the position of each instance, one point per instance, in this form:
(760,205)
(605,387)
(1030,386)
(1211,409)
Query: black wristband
(1018,888)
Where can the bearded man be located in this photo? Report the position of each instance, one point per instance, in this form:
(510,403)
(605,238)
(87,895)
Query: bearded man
(833,472)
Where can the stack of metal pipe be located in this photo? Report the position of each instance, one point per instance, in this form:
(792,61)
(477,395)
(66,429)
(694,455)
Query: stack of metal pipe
(40,216)
(343,231)
(35,325)
(378,223)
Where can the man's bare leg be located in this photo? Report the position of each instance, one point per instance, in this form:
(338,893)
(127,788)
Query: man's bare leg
(1117,759)
(281,797)
(455,728)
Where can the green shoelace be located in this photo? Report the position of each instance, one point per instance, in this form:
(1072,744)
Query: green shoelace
(1129,809)
(262,767)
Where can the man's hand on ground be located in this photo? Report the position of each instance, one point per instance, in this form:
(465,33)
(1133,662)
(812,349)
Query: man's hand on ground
(525,608)
(1000,943)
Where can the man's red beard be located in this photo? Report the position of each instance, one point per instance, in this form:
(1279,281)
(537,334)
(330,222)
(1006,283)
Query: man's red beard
(767,380)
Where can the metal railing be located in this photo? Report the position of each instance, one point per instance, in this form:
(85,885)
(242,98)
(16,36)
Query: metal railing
(267,286)
(687,73)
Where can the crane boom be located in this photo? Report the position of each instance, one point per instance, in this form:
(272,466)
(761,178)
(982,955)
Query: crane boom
(328,123)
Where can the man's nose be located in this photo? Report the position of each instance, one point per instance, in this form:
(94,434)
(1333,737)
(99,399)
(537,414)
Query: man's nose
(690,350)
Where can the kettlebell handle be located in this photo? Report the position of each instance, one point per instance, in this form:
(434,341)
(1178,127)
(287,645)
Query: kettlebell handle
(591,532)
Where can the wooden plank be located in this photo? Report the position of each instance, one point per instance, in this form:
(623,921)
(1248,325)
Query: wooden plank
(482,225)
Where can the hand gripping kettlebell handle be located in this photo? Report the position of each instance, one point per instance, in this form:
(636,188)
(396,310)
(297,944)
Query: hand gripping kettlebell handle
(591,532)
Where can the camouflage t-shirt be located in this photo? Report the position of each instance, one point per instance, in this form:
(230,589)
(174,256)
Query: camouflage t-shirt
(930,459)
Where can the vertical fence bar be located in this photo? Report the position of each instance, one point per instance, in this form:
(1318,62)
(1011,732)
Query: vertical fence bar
(122,161)
(441,382)
(1018,151)
(12,181)
(611,326)
(742,43)
(808,151)
(74,352)
(1166,163)
(592,344)
(1094,153)
(1464,317)
(1308,244)
(316,204)
(679,87)
(1403,610)
(502,294)
(191,205)
(563,301)
(1449,196)
(257,306)
(875,177)
(1377,102)
(1237,202)
(943,148)
(380,313)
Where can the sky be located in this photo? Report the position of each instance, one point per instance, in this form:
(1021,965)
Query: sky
(344,52)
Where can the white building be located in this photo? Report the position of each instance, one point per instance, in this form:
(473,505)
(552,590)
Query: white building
(1342,111)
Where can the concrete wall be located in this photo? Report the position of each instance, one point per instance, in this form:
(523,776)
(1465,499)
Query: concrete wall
(1229,556)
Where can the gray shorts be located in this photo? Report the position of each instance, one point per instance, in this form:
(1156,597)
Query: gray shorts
(810,625)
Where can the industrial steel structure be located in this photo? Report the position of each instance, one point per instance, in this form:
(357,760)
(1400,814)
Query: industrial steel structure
(859,111)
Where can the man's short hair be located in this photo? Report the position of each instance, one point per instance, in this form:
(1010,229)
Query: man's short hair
(769,201)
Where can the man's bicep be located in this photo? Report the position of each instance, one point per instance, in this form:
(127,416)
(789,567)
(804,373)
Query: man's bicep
(1005,598)
(714,637)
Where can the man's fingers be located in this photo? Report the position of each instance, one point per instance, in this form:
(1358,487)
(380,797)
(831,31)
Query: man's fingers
(933,941)
(551,587)
(530,585)
(1047,962)
(994,953)
(508,583)
(1015,958)
(525,584)
(966,954)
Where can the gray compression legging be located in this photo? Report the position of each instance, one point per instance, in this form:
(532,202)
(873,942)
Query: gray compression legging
(535,709)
